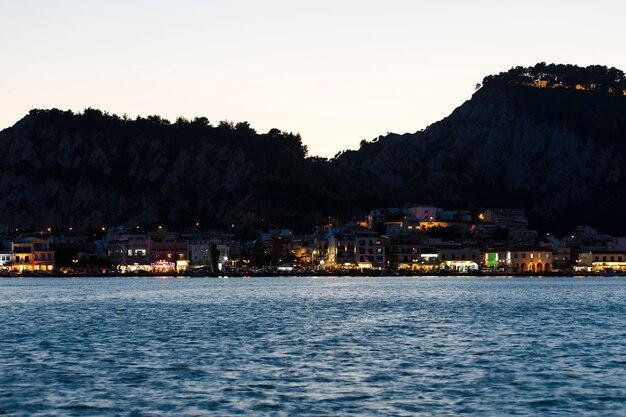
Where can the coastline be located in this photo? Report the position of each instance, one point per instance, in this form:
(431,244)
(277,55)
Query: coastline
(315,274)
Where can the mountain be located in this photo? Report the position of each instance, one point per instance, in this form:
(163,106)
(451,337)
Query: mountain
(550,139)
(92,169)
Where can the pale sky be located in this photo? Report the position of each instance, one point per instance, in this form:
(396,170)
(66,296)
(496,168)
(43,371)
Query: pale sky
(334,71)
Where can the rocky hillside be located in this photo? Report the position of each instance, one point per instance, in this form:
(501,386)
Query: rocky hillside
(558,151)
(550,139)
(90,169)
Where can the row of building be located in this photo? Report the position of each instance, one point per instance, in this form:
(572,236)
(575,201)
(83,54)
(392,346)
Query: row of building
(415,239)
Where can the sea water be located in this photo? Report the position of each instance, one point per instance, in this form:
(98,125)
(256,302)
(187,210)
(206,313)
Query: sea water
(305,346)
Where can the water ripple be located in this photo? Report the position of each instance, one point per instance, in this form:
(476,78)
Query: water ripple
(296,346)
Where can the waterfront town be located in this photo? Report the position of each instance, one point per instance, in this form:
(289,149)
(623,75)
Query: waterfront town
(415,240)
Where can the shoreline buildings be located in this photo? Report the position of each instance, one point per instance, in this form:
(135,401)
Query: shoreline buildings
(414,239)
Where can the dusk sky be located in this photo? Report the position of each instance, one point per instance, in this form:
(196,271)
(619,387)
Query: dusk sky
(334,71)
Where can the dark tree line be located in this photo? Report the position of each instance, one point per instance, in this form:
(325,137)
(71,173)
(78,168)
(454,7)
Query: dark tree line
(595,77)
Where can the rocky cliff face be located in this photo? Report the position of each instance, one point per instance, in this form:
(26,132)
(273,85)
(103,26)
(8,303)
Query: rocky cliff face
(95,169)
(559,154)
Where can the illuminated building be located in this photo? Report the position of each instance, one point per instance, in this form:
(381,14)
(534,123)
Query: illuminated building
(519,259)
(6,260)
(600,261)
(354,247)
(405,252)
(304,249)
(460,259)
(130,252)
(168,253)
(224,259)
(341,250)
(429,259)
(425,225)
(32,254)
(370,251)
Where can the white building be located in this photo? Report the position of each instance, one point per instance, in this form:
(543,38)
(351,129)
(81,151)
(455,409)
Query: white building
(224,259)
(6,260)
(425,213)
(200,252)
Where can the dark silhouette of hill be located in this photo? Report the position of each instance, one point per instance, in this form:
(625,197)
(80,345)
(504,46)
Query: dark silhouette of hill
(556,149)
(91,169)
(550,139)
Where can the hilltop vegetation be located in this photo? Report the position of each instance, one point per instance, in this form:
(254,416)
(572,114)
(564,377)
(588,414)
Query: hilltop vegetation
(594,77)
